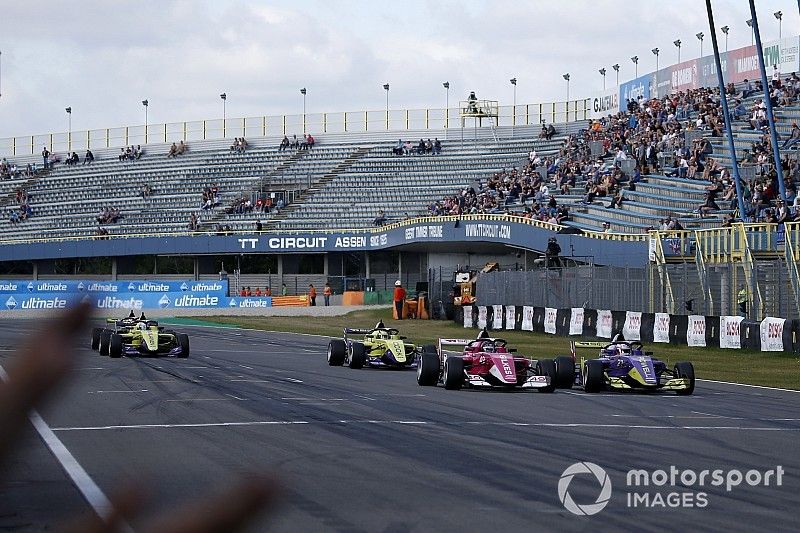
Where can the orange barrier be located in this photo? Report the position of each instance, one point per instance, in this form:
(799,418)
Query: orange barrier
(353,298)
(289,301)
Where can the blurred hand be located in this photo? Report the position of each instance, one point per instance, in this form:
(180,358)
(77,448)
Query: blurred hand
(33,375)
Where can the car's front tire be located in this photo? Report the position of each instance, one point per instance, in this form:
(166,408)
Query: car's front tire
(592,375)
(428,367)
(453,373)
(115,345)
(547,367)
(685,369)
(105,339)
(337,351)
(565,372)
(96,338)
(358,355)
(183,342)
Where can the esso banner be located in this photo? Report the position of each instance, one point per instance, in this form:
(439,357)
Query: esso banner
(481,316)
(527,318)
(604,103)
(497,317)
(633,325)
(696,331)
(550,320)
(772,334)
(661,328)
(604,323)
(730,332)
(576,321)
(220,288)
(511,317)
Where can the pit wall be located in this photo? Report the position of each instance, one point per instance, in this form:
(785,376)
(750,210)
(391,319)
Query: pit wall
(729,332)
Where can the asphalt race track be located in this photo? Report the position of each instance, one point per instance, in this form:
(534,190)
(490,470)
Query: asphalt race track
(370,450)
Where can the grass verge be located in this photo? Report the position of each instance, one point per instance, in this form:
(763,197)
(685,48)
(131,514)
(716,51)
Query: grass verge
(755,368)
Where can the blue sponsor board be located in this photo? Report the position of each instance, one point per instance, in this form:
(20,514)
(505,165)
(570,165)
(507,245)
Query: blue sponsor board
(633,89)
(220,288)
(128,301)
(249,302)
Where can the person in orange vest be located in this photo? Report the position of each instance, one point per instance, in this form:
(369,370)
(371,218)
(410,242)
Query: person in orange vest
(312,294)
(326,293)
(258,291)
(399,298)
(243,292)
(248,292)
(267,292)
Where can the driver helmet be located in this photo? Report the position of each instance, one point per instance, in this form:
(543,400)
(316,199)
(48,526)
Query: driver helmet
(398,283)
(488,347)
(623,349)
(142,326)
(380,325)
(483,334)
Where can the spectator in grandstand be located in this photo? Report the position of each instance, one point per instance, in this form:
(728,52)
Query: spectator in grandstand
(295,144)
(173,151)
(268,291)
(551,131)
(193,223)
(88,158)
(182,148)
(398,148)
(407,148)
(14,217)
(45,157)
(284,144)
(284,290)
(380,220)
(259,226)
(437,146)
(793,138)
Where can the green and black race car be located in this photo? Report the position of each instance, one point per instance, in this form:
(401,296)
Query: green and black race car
(381,347)
(139,336)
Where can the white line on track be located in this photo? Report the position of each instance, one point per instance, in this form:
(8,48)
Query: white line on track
(427,423)
(247,367)
(85,484)
(294,380)
(116,391)
(250,380)
(90,368)
(747,385)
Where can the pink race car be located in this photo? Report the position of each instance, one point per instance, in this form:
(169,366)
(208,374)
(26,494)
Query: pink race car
(485,362)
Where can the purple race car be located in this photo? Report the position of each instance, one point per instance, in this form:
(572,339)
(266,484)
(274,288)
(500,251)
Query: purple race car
(624,365)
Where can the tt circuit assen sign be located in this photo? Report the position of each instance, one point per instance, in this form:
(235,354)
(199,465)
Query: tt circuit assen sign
(122,295)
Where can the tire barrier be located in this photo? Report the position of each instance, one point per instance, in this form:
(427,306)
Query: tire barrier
(728,332)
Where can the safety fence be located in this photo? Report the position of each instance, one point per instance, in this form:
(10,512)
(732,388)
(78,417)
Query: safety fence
(732,332)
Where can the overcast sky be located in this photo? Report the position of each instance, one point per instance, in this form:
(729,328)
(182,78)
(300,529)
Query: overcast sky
(102,57)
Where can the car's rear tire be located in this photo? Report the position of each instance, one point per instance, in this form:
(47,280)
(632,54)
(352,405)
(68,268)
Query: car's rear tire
(337,351)
(685,369)
(183,342)
(547,367)
(96,338)
(105,339)
(428,367)
(358,355)
(453,373)
(115,345)
(565,372)
(593,375)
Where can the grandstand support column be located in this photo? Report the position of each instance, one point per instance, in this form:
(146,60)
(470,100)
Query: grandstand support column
(35,270)
(325,269)
(770,118)
(726,115)
(113,269)
(367,272)
(280,269)
(196,265)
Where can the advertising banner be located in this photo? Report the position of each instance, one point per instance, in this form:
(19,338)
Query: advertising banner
(481,316)
(632,90)
(576,321)
(743,64)
(550,315)
(784,54)
(696,331)
(605,322)
(511,317)
(730,332)
(772,334)
(661,328)
(604,103)
(112,287)
(497,317)
(633,324)
(527,318)
(684,76)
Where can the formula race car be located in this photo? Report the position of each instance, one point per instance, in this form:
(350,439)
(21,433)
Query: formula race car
(138,336)
(487,362)
(624,365)
(381,347)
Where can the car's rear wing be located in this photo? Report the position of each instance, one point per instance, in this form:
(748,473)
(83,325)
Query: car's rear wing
(452,342)
(574,345)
